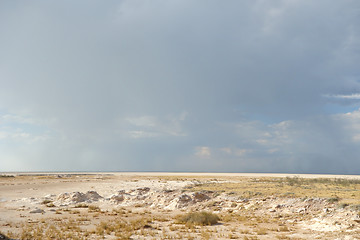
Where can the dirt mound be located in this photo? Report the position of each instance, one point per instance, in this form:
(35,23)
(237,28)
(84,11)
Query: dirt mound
(200,197)
(93,196)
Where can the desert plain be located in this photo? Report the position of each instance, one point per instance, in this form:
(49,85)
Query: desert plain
(148,205)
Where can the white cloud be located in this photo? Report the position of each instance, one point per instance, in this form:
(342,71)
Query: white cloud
(345,96)
(226,150)
(203,152)
(22,130)
(237,152)
(20,136)
(143,121)
(142,134)
(17,119)
(350,123)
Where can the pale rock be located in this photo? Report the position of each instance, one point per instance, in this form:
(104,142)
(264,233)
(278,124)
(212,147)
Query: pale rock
(93,196)
(37,210)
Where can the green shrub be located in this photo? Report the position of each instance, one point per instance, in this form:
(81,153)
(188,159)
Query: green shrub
(355,207)
(343,205)
(2,236)
(200,218)
(46,201)
(333,199)
(81,205)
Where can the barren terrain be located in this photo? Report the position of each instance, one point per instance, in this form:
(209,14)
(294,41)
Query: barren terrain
(155,206)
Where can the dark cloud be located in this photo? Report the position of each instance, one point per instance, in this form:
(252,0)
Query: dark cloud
(141,85)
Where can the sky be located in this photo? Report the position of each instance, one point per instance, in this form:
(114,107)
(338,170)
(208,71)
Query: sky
(180,85)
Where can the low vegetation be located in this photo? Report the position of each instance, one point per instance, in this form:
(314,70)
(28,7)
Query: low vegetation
(6,176)
(335,190)
(199,218)
(3,236)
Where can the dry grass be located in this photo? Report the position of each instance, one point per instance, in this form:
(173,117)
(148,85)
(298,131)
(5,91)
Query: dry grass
(93,208)
(65,229)
(122,228)
(261,231)
(342,189)
(81,205)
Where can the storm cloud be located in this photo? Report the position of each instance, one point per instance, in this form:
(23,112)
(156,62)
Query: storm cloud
(260,86)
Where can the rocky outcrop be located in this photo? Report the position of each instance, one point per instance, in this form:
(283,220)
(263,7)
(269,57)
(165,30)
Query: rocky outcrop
(78,197)
(92,196)
(117,198)
(37,210)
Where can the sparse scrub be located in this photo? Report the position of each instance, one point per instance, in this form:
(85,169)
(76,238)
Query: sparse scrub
(58,211)
(342,205)
(232,236)
(244,231)
(333,200)
(62,230)
(205,235)
(81,205)
(6,176)
(121,228)
(139,205)
(292,181)
(227,218)
(293,187)
(261,231)
(282,237)
(283,229)
(3,236)
(355,207)
(119,211)
(199,218)
(93,208)
(46,201)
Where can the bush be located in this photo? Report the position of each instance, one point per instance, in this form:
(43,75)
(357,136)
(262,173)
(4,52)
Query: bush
(343,205)
(46,201)
(200,218)
(355,207)
(333,200)
(2,236)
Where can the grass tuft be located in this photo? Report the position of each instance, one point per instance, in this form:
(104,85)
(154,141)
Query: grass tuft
(333,200)
(199,218)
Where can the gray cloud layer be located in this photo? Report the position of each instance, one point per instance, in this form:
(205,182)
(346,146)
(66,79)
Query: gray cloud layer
(179,85)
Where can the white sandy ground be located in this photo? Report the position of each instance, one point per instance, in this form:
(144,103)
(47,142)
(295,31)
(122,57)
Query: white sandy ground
(20,195)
